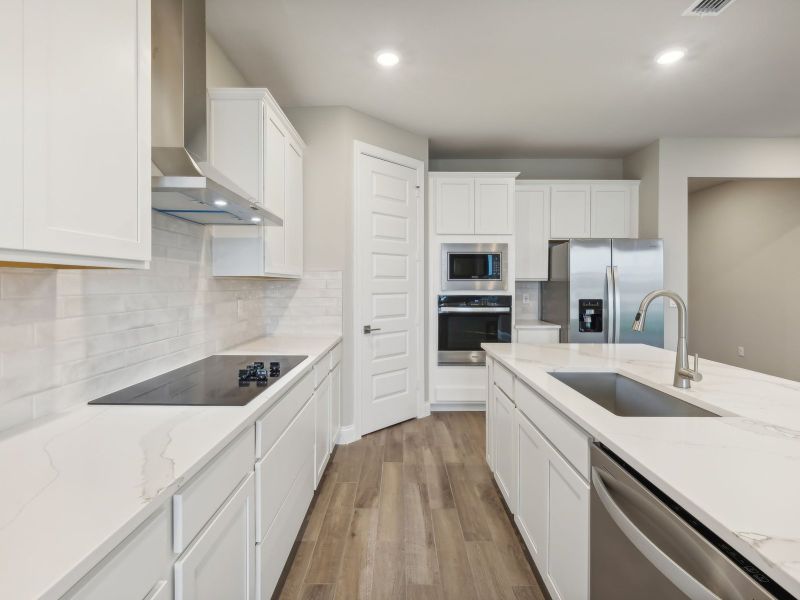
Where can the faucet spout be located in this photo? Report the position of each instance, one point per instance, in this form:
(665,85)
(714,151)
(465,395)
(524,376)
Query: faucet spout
(683,374)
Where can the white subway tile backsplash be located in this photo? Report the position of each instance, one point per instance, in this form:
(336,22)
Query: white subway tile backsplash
(69,336)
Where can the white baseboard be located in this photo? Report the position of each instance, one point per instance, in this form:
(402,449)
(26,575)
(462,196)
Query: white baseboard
(348,435)
(458,406)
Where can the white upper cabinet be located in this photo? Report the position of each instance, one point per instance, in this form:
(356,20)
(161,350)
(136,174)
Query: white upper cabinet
(570,211)
(532,230)
(80,149)
(253,143)
(11,59)
(613,214)
(494,205)
(455,205)
(473,203)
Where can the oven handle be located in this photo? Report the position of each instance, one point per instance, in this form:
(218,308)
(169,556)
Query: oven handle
(661,561)
(467,309)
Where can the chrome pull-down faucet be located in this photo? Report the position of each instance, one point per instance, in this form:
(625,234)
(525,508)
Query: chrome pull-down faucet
(683,374)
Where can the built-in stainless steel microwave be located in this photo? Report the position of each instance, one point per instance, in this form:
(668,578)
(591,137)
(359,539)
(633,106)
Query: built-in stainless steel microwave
(474,267)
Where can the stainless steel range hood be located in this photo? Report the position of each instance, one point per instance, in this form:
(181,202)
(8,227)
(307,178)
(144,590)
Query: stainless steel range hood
(186,186)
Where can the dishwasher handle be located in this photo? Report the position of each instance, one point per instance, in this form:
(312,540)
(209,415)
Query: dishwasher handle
(683,580)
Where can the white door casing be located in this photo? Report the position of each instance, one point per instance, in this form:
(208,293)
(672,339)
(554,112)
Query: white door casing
(389,282)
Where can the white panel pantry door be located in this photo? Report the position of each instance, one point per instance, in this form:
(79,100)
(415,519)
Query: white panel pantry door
(389,284)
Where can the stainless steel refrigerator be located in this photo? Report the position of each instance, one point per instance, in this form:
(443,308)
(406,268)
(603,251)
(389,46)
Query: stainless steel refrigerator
(595,288)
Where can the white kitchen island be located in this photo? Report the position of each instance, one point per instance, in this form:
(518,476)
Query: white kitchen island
(737,474)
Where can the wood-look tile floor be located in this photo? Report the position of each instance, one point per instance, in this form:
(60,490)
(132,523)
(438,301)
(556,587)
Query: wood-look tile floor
(411,512)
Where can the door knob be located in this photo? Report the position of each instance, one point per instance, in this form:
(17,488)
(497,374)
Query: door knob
(370,328)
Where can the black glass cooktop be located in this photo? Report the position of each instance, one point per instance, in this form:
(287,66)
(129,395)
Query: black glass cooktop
(219,380)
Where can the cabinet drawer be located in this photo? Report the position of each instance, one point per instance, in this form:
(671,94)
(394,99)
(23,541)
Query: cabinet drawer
(336,355)
(272,425)
(571,441)
(134,570)
(272,553)
(220,562)
(281,466)
(197,501)
(504,379)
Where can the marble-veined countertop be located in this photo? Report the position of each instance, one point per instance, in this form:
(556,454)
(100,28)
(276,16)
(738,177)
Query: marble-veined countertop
(738,474)
(75,484)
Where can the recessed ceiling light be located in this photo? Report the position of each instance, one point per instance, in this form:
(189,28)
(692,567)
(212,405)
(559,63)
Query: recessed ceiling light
(387,58)
(255,219)
(220,203)
(671,56)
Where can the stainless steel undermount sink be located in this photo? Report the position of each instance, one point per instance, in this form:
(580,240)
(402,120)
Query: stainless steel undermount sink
(625,397)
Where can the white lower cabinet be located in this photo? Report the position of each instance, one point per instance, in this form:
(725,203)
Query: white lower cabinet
(138,568)
(505,458)
(532,473)
(489,414)
(552,513)
(220,563)
(567,556)
(285,487)
(540,463)
(336,405)
(322,407)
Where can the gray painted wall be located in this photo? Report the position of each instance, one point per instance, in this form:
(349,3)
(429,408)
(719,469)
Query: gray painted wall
(744,277)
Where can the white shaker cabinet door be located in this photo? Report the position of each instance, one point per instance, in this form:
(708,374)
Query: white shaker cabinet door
(532,231)
(505,452)
(455,205)
(322,403)
(11,84)
(570,211)
(494,206)
(87,128)
(220,563)
(567,561)
(532,471)
(336,404)
(612,210)
(276,144)
(293,217)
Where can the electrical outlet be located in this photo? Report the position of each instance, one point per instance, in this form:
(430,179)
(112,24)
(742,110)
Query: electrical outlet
(526,298)
(672,303)
(740,351)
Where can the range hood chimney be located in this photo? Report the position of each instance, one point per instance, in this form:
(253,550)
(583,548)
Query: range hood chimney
(187,186)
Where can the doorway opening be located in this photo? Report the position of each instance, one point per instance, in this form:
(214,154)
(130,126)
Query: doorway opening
(744,272)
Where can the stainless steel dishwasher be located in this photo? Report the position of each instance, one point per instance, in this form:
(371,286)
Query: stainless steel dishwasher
(643,545)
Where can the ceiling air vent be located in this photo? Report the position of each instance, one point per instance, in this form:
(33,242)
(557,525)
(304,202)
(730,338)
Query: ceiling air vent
(707,8)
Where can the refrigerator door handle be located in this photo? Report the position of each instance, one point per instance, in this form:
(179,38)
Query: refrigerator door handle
(612,308)
(617,304)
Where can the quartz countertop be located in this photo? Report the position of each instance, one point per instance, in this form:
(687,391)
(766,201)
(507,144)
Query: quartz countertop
(738,474)
(75,484)
(535,324)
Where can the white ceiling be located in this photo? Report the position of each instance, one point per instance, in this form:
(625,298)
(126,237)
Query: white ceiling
(500,78)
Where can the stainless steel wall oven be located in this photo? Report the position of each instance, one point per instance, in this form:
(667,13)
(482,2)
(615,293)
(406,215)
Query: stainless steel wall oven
(467,321)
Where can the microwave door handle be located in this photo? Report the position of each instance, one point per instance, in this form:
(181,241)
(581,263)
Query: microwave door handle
(610,307)
(661,561)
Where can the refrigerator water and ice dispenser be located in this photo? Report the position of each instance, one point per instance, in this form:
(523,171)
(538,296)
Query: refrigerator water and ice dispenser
(590,315)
